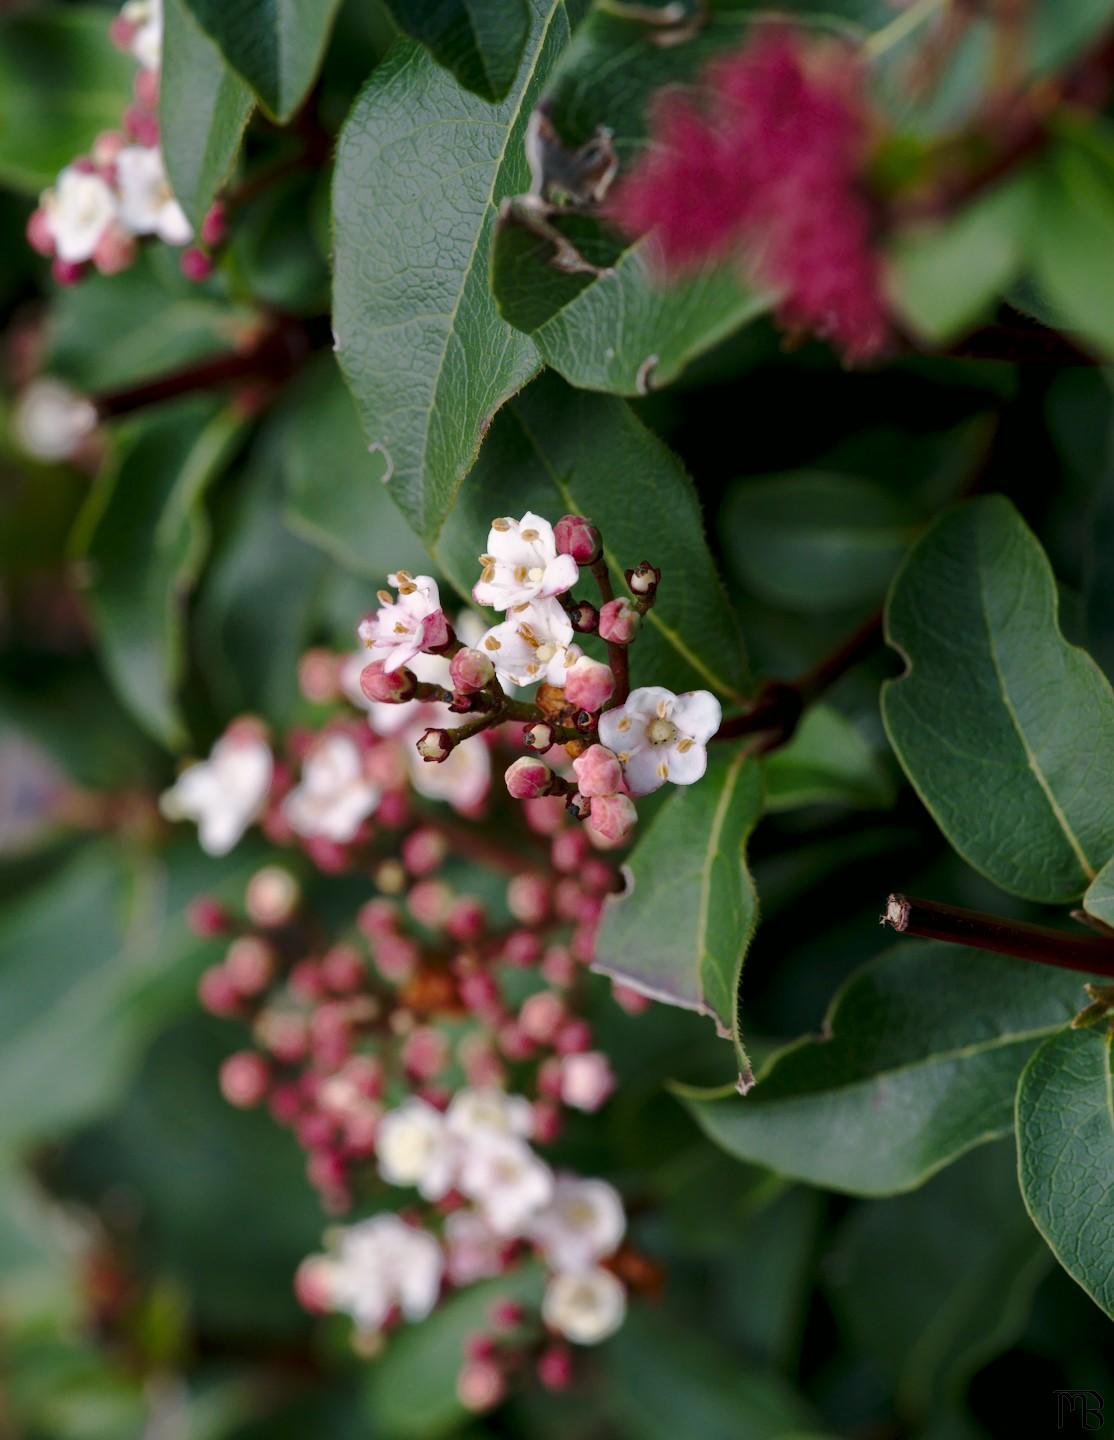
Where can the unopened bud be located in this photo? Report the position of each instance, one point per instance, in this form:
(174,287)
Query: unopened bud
(67,272)
(598,771)
(388,688)
(435,745)
(318,676)
(538,738)
(577,537)
(645,579)
(586,1080)
(40,233)
(217,993)
(196,264)
(244,1079)
(471,670)
(612,819)
(480,1386)
(206,917)
(589,684)
(585,617)
(555,1367)
(250,964)
(272,896)
(214,227)
(578,806)
(619,621)
(528,778)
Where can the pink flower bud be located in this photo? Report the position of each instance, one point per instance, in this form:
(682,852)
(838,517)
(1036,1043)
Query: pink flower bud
(522,948)
(545,816)
(528,898)
(597,876)
(207,917)
(586,1080)
(538,738)
(645,579)
(612,819)
(196,264)
(40,234)
(435,745)
(558,966)
(546,1122)
(423,850)
(214,227)
(396,957)
(305,981)
(585,617)
(589,684)
(632,1001)
(326,1170)
(568,850)
(244,1078)
(122,32)
(313,1284)
(318,676)
(515,1043)
(343,969)
(574,1037)
(146,88)
(389,689)
(250,965)
(555,1367)
(479,1346)
(529,778)
(142,124)
(577,537)
(549,1079)
(480,1386)
(284,1034)
(471,670)
(285,1103)
(598,771)
(467,919)
(394,808)
(541,1016)
(482,1067)
(619,621)
(217,993)
(67,272)
(430,901)
(377,918)
(506,1314)
(583,942)
(425,1052)
(106,147)
(480,993)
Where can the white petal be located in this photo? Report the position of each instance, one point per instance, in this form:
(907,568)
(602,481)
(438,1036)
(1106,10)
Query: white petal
(688,766)
(642,770)
(643,703)
(697,714)
(561,574)
(610,732)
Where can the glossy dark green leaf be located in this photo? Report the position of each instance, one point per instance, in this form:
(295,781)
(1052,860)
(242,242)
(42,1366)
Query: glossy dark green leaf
(557,451)
(1099,897)
(966,1286)
(828,762)
(480,41)
(1073,238)
(1005,730)
(917,1063)
(1065,1142)
(204,108)
(681,930)
(421,169)
(62,82)
(143,538)
(811,541)
(275,45)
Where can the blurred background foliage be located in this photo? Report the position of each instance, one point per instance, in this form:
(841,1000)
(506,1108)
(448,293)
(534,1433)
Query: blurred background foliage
(148,1232)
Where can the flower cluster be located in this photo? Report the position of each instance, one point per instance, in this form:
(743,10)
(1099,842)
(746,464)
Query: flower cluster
(102,204)
(769,161)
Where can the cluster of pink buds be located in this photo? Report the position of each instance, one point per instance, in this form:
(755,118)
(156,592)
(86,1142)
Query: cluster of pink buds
(102,204)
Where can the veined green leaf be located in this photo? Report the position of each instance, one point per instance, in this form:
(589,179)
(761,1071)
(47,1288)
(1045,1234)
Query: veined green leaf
(480,41)
(1005,730)
(1098,899)
(683,927)
(826,763)
(917,1063)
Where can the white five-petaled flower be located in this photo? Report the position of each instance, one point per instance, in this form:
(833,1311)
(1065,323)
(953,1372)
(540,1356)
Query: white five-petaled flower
(223,794)
(659,736)
(335,796)
(146,18)
(79,209)
(147,203)
(584,1306)
(414,1146)
(506,1180)
(522,564)
(476,1113)
(381,1263)
(50,420)
(401,629)
(533,643)
(582,1224)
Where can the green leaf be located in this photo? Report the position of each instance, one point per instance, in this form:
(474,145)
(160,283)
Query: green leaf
(412,1386)
(813,542)
(682,928)
(1065,1142)
(826,763)
(275,45)
(916,1063)
(480,41)
(1005,730)
(62,82)
(626,330)
(204,109)
(1099,897)
(946,276)
(353,521)
(969,1261)
(556,451)
(421,168)
(1071,245)
(143,536)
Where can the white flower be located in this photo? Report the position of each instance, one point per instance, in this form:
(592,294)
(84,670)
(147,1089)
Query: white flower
(334,797)
(659,736)
(584,1307)
(473,1113)
(147,203)
(146,18)
(413,1146)
(223,794)
(583,1223)
(533,643)
(507,1181)
(473,1251)
(522,564)
(586,1079)
(401,629)
(381,1263)
(49,420)
(79,208)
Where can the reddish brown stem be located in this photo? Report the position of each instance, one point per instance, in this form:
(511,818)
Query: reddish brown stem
(931,920)
(616,654)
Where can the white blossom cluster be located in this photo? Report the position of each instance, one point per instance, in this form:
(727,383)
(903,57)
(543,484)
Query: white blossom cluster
(480,1149)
